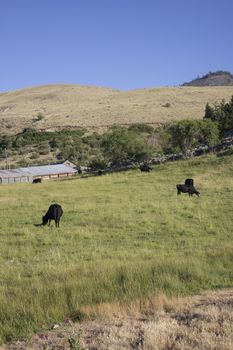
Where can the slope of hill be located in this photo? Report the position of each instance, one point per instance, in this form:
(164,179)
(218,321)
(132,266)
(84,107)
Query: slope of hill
(219,78)
(59,106)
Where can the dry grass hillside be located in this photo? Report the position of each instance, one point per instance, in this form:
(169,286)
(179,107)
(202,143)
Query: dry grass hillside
(98,108)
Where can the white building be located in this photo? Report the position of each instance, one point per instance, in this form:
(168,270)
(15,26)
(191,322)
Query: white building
(44,172)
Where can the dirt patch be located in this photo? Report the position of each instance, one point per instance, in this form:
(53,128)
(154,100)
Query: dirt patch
(202,322)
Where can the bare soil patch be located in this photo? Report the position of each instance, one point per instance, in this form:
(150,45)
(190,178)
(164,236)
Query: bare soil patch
(201,322)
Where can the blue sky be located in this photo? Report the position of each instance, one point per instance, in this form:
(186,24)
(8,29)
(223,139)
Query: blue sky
(123,44)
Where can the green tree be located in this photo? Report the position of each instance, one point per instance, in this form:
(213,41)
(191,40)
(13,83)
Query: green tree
(209,111)
(121,145)
(186,134)
(209,132)
(222,113)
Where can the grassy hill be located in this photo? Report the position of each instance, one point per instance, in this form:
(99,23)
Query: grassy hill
(54,107)
(123,236)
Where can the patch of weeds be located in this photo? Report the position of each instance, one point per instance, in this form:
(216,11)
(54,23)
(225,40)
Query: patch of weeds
(75,341)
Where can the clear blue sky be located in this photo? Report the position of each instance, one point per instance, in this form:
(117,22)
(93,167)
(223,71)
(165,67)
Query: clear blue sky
(123,44)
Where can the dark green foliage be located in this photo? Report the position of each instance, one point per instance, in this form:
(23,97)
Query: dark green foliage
(225,152)
(222,113)
(186,134)
(208,111)
(92,140)
(209,132)
(5,142)
(98,164)
(121,144)
(141,128)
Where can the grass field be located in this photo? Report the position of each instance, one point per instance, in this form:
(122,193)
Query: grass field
(123,236)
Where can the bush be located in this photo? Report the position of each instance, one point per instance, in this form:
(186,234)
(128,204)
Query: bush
(34,155)
(38,117)
(141,128)
(44,151)
(122,145)
(186,134)
(167,105)
(97,164)
(225,152)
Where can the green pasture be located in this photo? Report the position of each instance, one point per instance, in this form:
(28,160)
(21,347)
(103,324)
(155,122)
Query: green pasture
(123,236)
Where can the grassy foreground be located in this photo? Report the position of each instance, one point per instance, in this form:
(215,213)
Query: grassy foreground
(123,236)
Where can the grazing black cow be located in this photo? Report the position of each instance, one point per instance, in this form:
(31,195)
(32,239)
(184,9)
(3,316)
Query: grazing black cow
(37,181)
(54,213)
(145,167)
(187,189)
(189,182)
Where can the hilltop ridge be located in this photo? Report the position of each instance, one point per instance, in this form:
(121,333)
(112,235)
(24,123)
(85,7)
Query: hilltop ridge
(218,78)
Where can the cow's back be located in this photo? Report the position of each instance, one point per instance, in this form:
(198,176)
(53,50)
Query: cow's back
(58,211)
(55,211)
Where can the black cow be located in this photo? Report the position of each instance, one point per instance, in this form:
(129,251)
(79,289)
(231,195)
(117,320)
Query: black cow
(145,167)
(54,213)
(37,181)
(189,182)
(187,189)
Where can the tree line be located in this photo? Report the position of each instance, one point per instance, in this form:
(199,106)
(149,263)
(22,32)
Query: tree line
(137,143)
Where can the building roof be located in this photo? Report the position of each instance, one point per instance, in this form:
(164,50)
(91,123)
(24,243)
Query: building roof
(42,170)
(14,173)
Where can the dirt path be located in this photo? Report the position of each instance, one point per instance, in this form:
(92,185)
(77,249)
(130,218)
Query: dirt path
(203,322)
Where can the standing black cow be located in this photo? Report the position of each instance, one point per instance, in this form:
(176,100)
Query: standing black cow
(187,189)
(145,167)
(54,213)
(37,181)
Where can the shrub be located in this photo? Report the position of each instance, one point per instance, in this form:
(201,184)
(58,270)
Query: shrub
(167,105)
(141,128)
(34,155)
(186,134)
(225,152)
(96,164)
(121,144)
(44,151)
